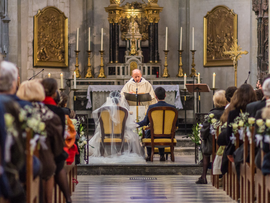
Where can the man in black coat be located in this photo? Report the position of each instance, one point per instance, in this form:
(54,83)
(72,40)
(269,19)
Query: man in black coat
(253,107)
(160,96)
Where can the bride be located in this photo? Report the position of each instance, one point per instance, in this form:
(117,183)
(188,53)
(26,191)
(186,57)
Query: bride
(133,152)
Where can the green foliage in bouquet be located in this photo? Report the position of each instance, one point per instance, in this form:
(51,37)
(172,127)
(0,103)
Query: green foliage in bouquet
(195,136)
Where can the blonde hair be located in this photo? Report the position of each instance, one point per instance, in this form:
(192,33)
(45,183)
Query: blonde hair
(219,99)
(32,91)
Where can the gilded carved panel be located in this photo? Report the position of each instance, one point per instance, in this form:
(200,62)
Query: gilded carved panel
(50,38)
(220,30)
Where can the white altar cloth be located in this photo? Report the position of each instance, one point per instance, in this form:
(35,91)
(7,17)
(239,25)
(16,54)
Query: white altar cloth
(109,88)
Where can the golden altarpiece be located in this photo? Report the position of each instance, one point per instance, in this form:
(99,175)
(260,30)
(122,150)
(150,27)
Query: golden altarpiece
(133,39)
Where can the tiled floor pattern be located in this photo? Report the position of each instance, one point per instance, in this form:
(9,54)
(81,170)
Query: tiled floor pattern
(156,189)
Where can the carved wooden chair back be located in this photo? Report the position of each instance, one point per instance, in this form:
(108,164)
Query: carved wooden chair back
(109,128)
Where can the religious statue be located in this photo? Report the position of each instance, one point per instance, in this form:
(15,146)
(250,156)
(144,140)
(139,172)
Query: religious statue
(134,37)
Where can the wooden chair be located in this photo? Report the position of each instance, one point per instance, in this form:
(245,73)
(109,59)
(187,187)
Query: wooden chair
(108,128)
(267,188)
(247,171)
(32,185)
(215,147)
(260,182)
(163,126)
(232,183)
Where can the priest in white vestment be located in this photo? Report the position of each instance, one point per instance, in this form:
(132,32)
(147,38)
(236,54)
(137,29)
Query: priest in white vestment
(142,86)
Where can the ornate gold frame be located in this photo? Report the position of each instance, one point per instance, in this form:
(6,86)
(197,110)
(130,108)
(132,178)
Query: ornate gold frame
(59,54)
(226,61)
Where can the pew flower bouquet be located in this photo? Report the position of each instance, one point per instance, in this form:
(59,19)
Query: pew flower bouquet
(267,131)
(82,140)
(195,136)
(260,130)
(241,125)
(214,123)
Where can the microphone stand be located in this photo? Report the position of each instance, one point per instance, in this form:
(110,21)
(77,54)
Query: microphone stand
(247,77)
(36,74)
(137,108)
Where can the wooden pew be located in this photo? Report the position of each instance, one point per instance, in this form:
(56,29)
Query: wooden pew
(32,185)
(2,200)
(247,171)
(215,178)
(260,182)
(232,183)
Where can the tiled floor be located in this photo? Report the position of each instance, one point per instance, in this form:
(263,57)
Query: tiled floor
(158,189)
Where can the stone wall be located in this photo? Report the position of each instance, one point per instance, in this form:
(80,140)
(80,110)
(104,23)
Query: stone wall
(247,38)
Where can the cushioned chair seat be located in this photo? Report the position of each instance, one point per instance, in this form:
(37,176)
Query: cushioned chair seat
(148,140)
(106,140)
(166,150)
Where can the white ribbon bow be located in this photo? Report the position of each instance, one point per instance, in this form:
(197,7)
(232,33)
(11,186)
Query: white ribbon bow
(248,132)
(212,130)
(258,139)
(241,133)
(9,143)
(233,138)
(267,138)
(33,142)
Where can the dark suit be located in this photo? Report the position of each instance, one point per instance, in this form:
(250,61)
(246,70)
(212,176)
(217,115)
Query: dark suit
(146,122)
(253,107)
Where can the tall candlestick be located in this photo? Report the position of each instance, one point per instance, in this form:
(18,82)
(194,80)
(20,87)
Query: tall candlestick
(166,39)
(61,81)
(101,48)
(199,78)
(181,38)
(214,80)
(75,80)
(185,81)
(89,40)
(77,40)
(49,75)
(193,38)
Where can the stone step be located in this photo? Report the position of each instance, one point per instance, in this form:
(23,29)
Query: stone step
(184,151)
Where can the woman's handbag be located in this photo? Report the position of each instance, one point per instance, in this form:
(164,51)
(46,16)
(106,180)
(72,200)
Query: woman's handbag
(207,145)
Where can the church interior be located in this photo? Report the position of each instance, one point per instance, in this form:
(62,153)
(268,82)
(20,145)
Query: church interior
(191,51)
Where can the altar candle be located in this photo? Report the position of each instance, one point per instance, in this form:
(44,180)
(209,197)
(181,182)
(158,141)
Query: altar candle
(214,80)
(199,78)
(77,40)
(74,79)
(166,39)
(181,38)
(193,38)
(101,48)
(89,40)
(185,81)
(61,81)
(49,75)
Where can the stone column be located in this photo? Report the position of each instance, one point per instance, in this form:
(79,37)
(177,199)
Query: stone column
(151,42)
(116,48)
(156,54)
(111,51)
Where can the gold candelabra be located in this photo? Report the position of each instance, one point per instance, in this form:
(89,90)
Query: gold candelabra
(193,70)
(89,70)
(180,70)
(78,75)
(165,72)
(101,71)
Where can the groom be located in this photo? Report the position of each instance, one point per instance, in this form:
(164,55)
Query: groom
(160,96)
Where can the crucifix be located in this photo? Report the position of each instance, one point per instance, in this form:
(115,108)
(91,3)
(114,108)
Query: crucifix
(235,54)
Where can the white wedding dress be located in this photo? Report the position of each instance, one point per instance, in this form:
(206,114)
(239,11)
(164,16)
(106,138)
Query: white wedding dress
(133,152)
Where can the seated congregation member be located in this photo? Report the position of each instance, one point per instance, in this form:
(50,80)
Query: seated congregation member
(50,87)
(8,82)
(253,107)
(259,94)
(160,96)
(243,96)
(220,103)
(14,159)
(33,91)
(132,148)
(222,141)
